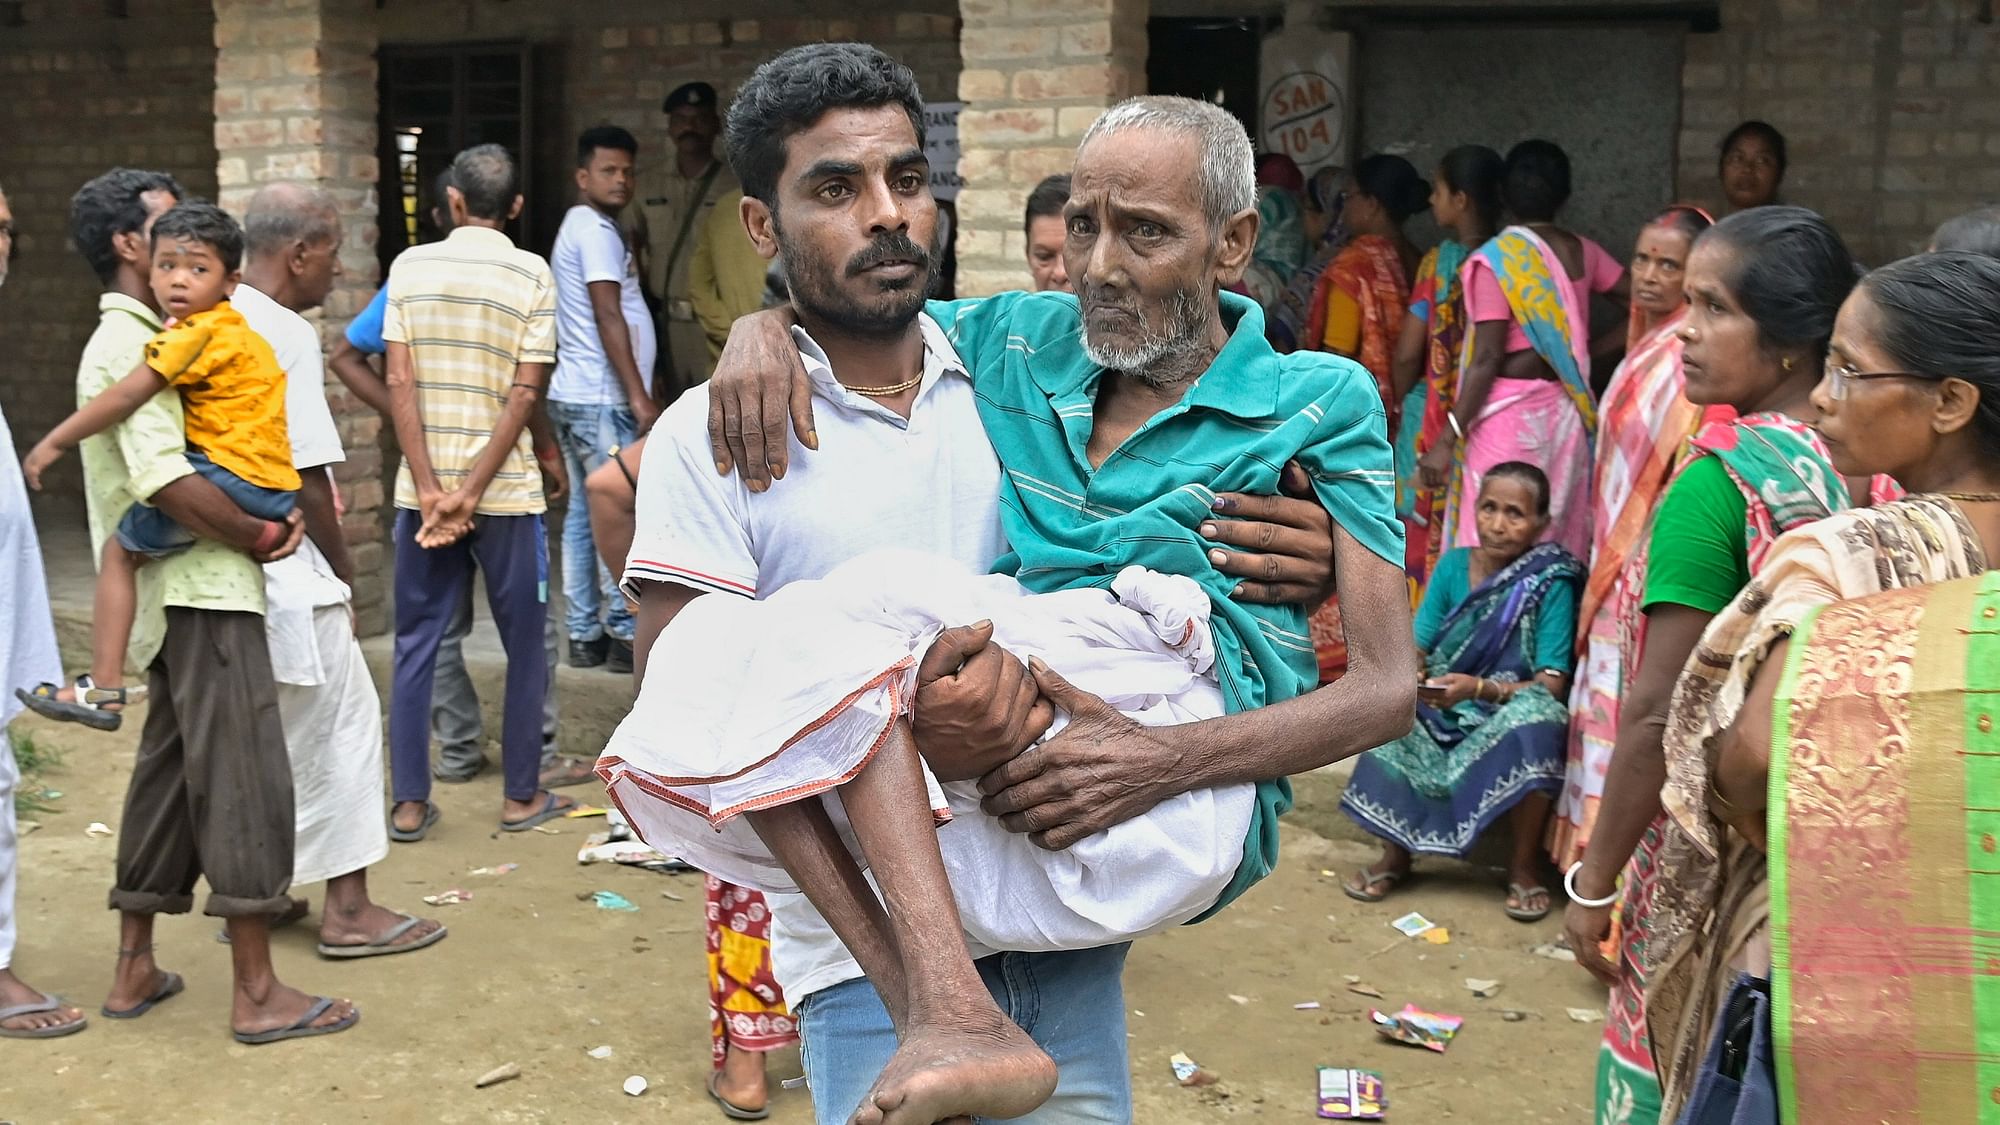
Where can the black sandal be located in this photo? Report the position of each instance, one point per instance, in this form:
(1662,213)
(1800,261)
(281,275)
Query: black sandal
(88,707)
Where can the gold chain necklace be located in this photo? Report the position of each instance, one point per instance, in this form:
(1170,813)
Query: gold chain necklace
(1974,497)
(890,391)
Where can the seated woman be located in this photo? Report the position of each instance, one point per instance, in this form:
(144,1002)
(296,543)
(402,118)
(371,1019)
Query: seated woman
(1498,633)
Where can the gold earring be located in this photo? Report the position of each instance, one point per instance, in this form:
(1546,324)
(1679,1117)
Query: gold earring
(1787,363)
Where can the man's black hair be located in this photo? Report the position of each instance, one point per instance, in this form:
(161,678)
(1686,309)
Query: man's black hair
(110,205)
(789,93)
(1047,200)
(605,136)
(198,220)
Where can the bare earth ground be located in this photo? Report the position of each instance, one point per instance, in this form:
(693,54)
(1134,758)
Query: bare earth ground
(534,976)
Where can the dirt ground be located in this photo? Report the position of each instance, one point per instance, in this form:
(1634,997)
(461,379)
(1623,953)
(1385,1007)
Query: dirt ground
(532,975)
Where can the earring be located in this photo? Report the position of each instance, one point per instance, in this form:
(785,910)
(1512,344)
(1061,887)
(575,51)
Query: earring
(1786,363)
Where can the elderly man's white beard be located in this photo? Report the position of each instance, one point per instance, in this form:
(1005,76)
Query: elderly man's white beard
(1162,358)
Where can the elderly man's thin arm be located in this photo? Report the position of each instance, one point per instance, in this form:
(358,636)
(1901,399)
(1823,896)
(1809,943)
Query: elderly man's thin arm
(406,415)
(523,402)
(322,520)
(1372,704)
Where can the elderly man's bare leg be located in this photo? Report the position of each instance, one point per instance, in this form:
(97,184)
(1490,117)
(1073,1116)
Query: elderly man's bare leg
(960,1055)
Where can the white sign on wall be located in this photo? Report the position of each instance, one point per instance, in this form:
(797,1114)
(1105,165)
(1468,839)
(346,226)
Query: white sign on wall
(1306,104)
(941,148)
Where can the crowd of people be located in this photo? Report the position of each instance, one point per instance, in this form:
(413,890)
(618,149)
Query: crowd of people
(974,639)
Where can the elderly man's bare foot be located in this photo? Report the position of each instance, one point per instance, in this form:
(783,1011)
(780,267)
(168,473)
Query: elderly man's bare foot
(48,1023)
(979,1064)
(281,1007)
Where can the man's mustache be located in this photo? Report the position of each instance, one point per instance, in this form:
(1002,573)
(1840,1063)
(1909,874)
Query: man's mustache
(889,248)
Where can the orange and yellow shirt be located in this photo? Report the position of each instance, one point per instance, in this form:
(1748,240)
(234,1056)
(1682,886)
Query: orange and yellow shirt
(232,394)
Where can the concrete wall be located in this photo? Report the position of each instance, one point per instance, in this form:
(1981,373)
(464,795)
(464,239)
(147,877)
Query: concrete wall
(81,92)
(1606,93)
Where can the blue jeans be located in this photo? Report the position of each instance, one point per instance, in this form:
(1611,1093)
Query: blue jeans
(150,532)
(1071,1002)
(587,434)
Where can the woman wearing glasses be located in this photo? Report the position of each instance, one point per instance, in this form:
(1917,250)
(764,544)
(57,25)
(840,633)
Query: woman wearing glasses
(1763,288)
(1879,809)
(1753,165)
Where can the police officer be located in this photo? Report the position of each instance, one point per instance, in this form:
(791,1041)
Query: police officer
(676,196)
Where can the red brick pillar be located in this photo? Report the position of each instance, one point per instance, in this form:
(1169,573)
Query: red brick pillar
(295,100)
(1037,73)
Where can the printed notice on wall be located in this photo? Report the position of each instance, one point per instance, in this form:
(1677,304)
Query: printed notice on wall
(1306,106)
(941,148)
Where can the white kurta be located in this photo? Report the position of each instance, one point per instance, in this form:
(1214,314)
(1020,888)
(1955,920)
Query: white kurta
(752,704)
(27,652)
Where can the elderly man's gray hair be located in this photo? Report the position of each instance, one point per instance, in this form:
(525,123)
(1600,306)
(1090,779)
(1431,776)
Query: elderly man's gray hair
(284,215)
(1228,166)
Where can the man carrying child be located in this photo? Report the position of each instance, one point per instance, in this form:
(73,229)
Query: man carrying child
(211,790)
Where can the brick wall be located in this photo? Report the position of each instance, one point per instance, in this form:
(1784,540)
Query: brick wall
(1037,73)
(1891,111)
(81,92)
(614,61)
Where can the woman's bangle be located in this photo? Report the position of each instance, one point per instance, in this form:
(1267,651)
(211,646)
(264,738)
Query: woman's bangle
(1569,888)
(1455,427)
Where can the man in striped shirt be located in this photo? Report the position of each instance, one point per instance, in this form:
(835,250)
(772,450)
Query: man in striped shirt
(470,330)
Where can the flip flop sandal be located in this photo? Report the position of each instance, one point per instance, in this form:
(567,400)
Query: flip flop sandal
(88,708)
(1386,879)
(47,1003)
(554,807)
(730,1109)
(386,944)
(1520,894)
(412,835)
(303,1029)
(170,987)
(567,772)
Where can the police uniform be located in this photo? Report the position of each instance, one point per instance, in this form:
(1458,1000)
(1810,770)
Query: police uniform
(669,219)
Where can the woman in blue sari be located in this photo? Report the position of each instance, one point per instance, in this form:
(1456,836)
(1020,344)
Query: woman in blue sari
(1498,630)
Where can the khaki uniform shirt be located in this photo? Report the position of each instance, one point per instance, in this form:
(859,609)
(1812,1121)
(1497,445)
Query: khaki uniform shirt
(665,197)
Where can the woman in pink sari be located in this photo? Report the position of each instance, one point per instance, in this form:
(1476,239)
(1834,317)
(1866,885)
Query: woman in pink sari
(1524,390)
(1642,428)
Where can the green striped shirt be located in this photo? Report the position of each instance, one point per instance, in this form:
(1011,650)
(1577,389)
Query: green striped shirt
(1069,525)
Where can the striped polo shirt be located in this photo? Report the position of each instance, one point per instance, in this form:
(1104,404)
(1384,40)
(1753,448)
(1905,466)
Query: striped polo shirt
(1070,525)
(471,308)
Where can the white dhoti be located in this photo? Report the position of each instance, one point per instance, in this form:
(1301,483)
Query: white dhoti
(332,719)
(748,705)
(27,653)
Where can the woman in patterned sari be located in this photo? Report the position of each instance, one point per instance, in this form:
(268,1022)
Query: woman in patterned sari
(1876,814)
(1358,310)
(1524,385)
(1498,630)
(1763,289)
(1644,425)
(1286,326)
(1465,201)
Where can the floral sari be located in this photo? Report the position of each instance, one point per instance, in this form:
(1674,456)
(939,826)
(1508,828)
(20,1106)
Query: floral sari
(1527,418)
(1708,905)
(1434,790)
(1286,326)
(1435,300)
(1371,273)
(1786,476)
(1642,431)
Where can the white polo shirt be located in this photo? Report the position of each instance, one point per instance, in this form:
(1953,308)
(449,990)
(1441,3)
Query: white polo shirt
(590,247)
(929,482)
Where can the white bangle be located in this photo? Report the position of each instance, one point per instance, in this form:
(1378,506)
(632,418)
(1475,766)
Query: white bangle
(1569,888)
(1455,428)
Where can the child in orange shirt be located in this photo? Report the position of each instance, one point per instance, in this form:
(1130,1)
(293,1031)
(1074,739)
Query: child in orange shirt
(233,399)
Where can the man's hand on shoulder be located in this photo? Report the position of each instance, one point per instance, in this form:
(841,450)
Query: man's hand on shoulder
(759,388)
